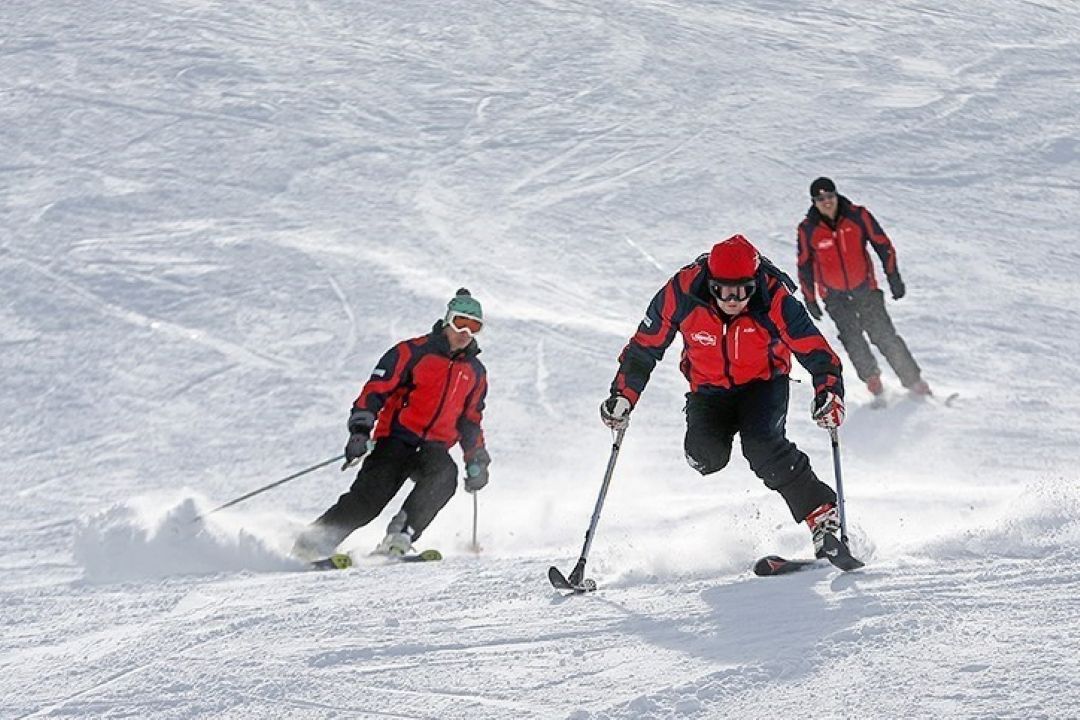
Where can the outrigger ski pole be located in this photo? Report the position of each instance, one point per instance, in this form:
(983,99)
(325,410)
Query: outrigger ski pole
(577,580)
(834,436)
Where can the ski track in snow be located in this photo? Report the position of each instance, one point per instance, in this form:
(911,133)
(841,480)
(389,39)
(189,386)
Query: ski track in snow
(216,217)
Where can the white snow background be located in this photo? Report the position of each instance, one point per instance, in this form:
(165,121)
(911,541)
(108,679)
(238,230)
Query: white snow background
(216,216)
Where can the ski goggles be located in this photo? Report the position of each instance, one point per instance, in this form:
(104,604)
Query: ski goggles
(823,196)
(464,323)
(732,291)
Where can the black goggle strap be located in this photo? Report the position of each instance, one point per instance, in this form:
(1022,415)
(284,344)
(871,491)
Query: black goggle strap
(742,290)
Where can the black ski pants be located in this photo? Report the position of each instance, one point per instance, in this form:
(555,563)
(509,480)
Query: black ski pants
(758,412)
(384,471)
(861,313)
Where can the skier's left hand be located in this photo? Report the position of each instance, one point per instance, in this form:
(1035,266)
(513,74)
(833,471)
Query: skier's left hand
(896,286)
(827,410)
(476,471)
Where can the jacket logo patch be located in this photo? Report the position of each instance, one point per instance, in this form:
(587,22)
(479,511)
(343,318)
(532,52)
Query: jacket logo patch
(826,244)
(379,372)
(704,338)
(646,321)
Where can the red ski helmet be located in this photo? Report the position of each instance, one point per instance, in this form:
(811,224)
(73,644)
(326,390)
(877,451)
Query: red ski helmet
(734,260)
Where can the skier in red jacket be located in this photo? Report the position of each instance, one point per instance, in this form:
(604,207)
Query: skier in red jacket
(740,325)
(424,396)
(834,264)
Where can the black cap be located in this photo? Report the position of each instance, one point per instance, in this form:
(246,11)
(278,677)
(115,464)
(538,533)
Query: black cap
(822,184)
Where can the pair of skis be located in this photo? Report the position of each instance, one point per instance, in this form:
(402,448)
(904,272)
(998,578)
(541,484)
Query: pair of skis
(834,549)
(343,561)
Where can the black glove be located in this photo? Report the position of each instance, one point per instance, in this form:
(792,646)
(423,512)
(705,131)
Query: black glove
(814,309)
(360,424)
(476,471)
(896,286)
(615,412)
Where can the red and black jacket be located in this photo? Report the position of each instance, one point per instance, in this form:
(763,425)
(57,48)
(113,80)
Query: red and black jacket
(721,353)
(420,391)
(833,256)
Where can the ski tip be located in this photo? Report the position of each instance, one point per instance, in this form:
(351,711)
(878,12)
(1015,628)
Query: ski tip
(769,565)
(557,579)
(560,582)
(430,555)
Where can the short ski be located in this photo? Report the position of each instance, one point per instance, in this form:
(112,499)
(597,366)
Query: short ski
(776,565)
(839,554)
(835,551)
(559,582)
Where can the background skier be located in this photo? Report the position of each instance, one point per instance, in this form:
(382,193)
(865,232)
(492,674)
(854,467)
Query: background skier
(834,264)
(425,395)
(739,324)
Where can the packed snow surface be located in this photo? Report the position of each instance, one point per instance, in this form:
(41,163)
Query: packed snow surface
(216,216)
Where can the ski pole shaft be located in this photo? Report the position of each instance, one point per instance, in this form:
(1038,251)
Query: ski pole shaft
(475,512)
(589,534)
(834,435)
(272,485)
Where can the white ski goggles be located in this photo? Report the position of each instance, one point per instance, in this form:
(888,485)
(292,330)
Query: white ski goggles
(464,323)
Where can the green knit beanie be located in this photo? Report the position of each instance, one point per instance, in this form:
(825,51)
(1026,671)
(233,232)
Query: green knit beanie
(465,304)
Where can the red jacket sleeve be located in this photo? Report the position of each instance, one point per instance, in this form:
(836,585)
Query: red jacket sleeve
(878,240)
(469,428)
(655,333)
(807,343)
(385,378)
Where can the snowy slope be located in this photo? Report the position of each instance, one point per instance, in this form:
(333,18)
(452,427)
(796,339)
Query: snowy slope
(216,216)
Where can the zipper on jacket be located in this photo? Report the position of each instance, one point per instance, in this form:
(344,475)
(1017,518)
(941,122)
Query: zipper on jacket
(838,237)
(442,401)
(724,354)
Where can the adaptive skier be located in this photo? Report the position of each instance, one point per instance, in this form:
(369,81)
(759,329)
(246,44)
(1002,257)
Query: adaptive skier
(425,395)
(740,324)
(834,265)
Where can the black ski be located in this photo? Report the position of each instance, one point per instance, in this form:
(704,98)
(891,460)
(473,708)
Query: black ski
(776,565)
(839,554)
(835,551)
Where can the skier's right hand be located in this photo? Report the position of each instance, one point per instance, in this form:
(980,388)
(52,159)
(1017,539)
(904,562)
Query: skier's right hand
(360,424)
(615,412)
(814,309)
